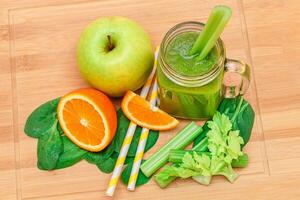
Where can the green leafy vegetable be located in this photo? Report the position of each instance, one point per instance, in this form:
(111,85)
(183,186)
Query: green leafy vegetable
(108,151)
(61,132)
(99,157)
(151,141)
(179,141)
(107,165)
(241,114)
(200,167)
(192,166)
(176,156)
(128,160)
(106,159)
(122,127)
(241,161)
(123,124)
(166,176)
(50,147)
(104,162)
(56,151)
(224,145)
(93,157)
(204,180)
(71,154)
(41,119)
(200,163)
(222,142)
(220,167)
(202,145)
(202,136)
(141,180)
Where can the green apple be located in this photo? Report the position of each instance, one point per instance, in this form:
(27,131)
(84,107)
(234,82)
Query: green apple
(114,55)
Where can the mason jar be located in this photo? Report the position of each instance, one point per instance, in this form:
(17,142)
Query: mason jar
(197,96)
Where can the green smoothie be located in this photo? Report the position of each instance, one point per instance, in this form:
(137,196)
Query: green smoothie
(177,56)
(199,102)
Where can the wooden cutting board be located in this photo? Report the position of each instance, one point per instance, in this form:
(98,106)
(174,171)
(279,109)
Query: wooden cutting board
(39,38)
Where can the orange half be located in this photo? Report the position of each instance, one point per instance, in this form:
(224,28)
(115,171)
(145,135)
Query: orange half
(88,118)
(139,111)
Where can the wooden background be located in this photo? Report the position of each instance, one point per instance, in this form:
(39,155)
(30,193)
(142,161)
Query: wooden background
(37,63)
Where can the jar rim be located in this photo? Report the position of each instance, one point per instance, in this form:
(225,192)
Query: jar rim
(189,80)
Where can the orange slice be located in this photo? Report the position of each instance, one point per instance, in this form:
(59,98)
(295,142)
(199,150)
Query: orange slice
(139,111)
(88,118)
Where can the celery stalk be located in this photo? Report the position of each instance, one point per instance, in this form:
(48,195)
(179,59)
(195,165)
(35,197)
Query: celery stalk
(164,183)
(241,161)
(201,146)
(213,28)
(175,156)
(180,141)
(205,180)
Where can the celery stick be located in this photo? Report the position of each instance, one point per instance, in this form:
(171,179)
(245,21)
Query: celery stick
(164,183)
(201,146)
(213,28)
(180,141)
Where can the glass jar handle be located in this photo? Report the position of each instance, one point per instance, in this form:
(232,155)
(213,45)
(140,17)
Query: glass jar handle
(243,70)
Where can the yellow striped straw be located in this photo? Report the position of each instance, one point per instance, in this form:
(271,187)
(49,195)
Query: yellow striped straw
(127,141)
(141,146)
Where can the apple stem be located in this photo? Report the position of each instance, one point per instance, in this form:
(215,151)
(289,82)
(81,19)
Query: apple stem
(110,43)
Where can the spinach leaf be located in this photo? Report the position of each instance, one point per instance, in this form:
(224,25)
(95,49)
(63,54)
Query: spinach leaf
(56,151)
(128,160)
(123,124)
(229,106)
(61,132)
(121,131)
(141,180)
(41,119)
(94,157)
(98,157)
(241,115)
(71,154)
(108,165)
(244,122)
(50,147)
(109,150)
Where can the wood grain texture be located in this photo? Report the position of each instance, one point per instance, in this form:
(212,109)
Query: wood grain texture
(275,47)
(37,54)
